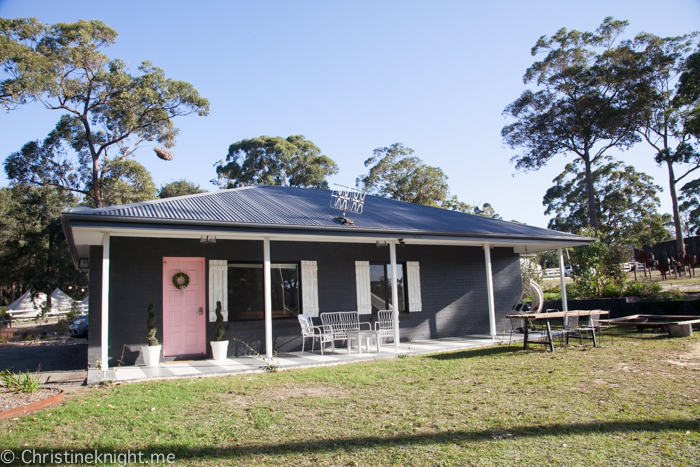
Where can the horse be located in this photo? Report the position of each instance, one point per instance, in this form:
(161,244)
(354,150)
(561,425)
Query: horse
(689,261)
(647,259)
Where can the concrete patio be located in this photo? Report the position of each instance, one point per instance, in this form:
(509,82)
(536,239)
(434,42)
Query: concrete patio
(286,361)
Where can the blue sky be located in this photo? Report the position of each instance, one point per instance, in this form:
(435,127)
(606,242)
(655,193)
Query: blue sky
(352,77)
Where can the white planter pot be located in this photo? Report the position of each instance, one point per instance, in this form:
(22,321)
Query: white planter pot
(151,354)
(219,350)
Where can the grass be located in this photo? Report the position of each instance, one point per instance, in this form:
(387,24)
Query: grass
(635,403)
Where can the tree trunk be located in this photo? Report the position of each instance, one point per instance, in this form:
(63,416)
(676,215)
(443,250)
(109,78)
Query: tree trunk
(13,288)
(96,186)
(592,219)
(680,246)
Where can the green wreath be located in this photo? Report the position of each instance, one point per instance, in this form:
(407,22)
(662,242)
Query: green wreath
(177,276)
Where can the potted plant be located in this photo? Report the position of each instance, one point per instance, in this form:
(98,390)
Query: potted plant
(219,347)
(151,352)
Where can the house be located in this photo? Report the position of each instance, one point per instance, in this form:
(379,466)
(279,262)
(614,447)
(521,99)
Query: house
(268,253)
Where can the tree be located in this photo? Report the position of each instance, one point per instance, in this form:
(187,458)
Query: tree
(179,188)
(454,204)
(667,125)
(625,200)
(584,107)
(126,182)
(34,252)
(109,113)
(292,161)
(25,68)
(395,173)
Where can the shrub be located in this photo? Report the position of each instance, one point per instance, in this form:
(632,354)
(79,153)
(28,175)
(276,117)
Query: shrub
(22,382)
(219,335)
(673,294)
(642,289)
(62,327)
(151,324)
(611,290)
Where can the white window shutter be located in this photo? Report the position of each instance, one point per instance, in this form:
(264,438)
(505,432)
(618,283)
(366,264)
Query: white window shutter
(364,296)
(218,288)
(309,288)
(413,282)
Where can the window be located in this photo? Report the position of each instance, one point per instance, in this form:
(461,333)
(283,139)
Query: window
(380,286)
(246,292)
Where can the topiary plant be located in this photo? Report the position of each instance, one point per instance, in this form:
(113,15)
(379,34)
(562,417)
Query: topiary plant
(219,335)
(151,324)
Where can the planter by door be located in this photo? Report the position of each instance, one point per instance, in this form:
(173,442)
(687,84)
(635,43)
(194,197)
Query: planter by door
(151,355)
(184,325)
(219,350)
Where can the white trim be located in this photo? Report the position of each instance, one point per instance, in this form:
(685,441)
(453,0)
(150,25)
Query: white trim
(562,278)
(309,288)
(415,303)
(267,275)
(489,289)
(362,283)
(218,288)
(104,331)
(394,293)
(84,236)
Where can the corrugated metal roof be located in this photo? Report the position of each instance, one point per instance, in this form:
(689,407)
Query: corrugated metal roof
(275,206)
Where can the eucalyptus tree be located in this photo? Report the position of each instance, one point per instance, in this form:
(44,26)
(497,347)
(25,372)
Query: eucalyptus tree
(107,112)
(626,202)
(24,69)
(583,108)
(486,210)
(671,111)
(266,160)
(397,174)
(179,188)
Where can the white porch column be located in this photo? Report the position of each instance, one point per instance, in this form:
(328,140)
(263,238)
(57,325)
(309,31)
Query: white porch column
(104,332)
(562,277)
(394,293)
(267,274)
(489,290)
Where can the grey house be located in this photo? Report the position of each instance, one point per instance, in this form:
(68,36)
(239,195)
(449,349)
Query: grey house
(268,253)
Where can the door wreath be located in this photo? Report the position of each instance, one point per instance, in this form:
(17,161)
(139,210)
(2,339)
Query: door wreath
(176,280)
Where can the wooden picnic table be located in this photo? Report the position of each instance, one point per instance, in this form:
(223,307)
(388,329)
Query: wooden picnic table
(553,315)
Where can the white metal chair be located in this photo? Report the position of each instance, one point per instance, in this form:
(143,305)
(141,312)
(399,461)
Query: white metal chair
(384,324)
(322,333)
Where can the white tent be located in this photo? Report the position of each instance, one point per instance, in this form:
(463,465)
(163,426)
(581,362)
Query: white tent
(84,305)
(60,303)
(25,307)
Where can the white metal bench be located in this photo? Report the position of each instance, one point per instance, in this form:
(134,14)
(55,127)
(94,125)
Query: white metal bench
(341,322)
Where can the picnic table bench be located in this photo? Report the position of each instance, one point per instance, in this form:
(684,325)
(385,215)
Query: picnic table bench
(676,325)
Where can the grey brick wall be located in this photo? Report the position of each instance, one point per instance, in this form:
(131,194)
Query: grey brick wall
(453,288)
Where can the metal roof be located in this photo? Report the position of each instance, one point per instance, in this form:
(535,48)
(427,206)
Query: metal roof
(276,207)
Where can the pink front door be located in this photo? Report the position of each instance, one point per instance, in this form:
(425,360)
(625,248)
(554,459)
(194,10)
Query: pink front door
(184,325)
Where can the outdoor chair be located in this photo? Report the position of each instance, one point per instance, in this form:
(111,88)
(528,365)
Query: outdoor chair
(384,324)
(518,324)
(322,333)
(570,328)
(593,326)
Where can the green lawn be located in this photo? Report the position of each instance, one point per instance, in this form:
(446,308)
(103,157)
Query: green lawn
(635,403)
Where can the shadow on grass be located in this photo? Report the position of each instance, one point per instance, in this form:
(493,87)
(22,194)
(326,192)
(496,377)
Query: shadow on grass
(377,442)
(480,352)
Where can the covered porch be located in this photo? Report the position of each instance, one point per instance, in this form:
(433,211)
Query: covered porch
(285,361)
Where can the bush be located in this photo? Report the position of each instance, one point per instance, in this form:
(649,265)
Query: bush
(219,335)
(643,289)
(611,290)
(151,339)
(62,327)
(673,294)
(22,382)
